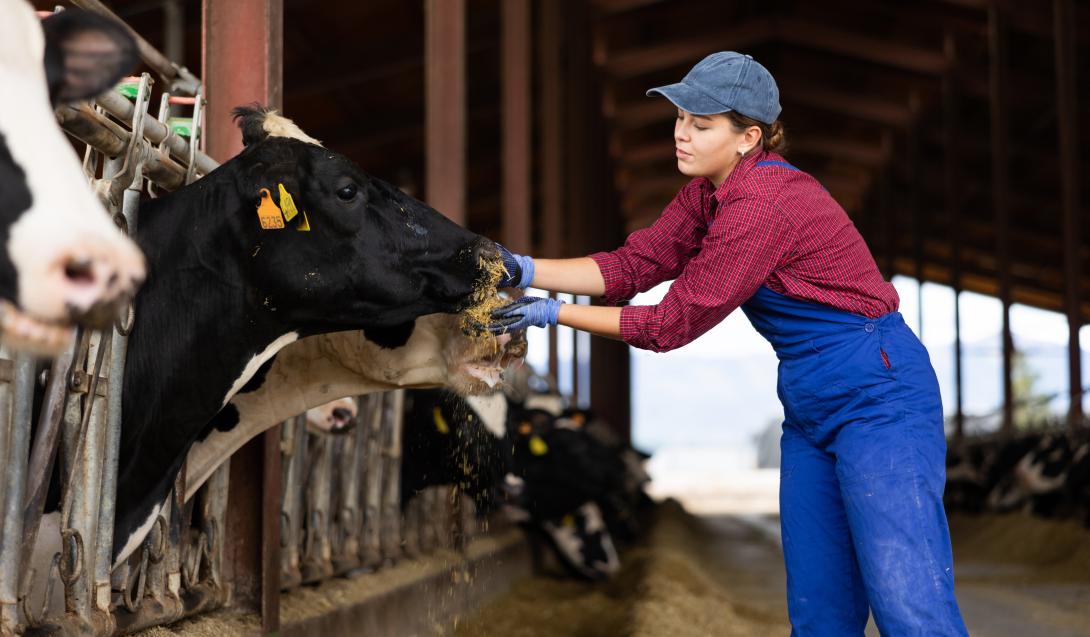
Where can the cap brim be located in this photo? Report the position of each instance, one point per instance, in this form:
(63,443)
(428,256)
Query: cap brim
(689,99)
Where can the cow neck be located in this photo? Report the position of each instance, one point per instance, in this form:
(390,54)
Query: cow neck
(194,333)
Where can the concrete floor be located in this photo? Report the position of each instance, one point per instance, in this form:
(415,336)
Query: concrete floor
(997,599)
(726,574)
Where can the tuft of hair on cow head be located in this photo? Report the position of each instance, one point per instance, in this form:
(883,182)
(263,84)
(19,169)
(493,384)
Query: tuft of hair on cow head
(259,123)
(85,54)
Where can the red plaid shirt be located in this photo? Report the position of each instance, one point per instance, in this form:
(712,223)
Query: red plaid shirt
(764,225)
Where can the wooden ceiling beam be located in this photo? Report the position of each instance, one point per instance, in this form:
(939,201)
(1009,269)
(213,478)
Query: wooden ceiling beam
(859,106)
(859,152)
(647,59)
(613,7)
(973,280)
(863,47)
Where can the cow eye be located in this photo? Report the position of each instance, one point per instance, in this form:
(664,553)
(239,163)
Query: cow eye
(347,193)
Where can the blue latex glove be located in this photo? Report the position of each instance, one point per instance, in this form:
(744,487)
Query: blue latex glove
(520,269)
(529,311)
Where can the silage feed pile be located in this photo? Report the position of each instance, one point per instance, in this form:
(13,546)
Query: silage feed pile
(1057,549)
(662,589)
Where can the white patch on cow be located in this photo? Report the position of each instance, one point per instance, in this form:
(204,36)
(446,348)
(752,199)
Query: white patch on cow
(1031,476)
(1082,452)
(257,361)
(492,410)
(65,223)
(276,125)
(322,419)
(568,541)
(137,538)
(321,368)
(963,472)
(552,403)
(596,527)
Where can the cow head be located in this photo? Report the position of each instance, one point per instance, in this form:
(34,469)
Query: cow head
(62,260)
(323,234)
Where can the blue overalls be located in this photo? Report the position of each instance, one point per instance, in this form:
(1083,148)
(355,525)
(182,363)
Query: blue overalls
(862,472)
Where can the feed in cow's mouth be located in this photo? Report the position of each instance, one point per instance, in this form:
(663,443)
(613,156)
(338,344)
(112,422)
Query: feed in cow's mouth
(485,298)
(488,368)
(25,333)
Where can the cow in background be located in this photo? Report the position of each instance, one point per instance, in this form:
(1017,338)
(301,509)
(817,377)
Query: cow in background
(1041,473)
(62,259)
(445,440)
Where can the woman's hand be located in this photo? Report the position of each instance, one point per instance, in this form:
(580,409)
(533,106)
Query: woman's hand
(519,270)
(529,311)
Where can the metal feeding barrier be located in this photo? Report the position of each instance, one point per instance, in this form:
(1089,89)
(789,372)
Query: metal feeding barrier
(128,152)
(341,498)
(341,509)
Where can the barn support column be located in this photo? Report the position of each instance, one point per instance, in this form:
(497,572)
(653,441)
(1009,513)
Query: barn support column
(445,91)
(914,211)
(997,63)
(596,220)
(243,65)
(952,194)
(516,125)
(1063,13)
(887,214)
(551,61)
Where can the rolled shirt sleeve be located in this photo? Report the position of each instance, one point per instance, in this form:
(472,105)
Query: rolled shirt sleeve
(657,253)
(746,243)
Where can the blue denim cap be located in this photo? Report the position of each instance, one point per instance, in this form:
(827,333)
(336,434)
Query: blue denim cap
(726,81)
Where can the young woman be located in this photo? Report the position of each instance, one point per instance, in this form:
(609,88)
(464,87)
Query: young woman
(863,448)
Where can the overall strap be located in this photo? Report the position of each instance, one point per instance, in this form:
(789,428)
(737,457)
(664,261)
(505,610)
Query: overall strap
(773,162)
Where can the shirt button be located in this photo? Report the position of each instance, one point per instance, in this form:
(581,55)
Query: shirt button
(869,327)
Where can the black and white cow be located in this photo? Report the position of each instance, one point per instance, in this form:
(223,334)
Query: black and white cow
(553,495)
(62,259)
(286,240)
(1050,480)
(445,440)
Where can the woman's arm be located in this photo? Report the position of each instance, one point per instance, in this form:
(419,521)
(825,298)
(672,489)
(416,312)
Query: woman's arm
(573,276)
(596,319)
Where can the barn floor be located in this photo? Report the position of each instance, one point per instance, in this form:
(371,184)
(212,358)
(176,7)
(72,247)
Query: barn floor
(723,575)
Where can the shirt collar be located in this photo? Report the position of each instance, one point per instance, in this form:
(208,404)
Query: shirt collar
(736,176)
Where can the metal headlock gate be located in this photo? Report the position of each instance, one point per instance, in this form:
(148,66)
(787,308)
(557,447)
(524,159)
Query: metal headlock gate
(340,507)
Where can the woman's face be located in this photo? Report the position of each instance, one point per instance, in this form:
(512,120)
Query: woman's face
(708,146)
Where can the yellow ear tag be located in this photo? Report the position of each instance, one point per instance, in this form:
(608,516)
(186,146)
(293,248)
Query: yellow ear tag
(568,521)
(304,225)
(538,446)
(267,212)
(440,422)
(287,204)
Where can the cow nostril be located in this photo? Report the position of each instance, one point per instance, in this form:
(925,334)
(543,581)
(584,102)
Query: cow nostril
(340,413)
(80,271)
(485,250)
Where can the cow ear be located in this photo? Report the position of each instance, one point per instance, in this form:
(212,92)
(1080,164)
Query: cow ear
(85,54)
(251,121)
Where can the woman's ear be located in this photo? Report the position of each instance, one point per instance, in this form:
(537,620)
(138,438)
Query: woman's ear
(750,140)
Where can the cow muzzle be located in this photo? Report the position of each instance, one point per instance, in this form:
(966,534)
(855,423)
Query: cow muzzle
(483,364)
